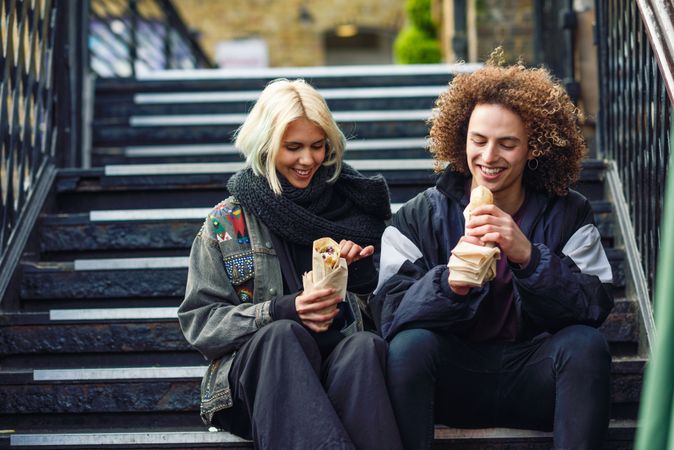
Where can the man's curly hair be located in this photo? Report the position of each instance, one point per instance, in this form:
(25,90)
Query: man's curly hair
(549,115)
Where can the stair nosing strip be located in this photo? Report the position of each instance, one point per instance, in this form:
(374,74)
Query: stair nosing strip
(346,93)
(160,262)
(237,119)
(390,70)
(137,151)
(100,314)
(131,215)
(119,373)
(119,215)
(122,439)
(231,167)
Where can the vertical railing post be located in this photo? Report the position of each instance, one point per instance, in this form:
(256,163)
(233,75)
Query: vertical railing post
(568,25)
(133,50)
(460,38)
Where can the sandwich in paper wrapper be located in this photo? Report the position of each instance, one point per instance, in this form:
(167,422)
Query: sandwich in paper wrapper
(471,264)
(328,270)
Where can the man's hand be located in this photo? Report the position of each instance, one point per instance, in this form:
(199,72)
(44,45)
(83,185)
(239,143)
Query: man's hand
(491,224)
(460,288)
(317,309)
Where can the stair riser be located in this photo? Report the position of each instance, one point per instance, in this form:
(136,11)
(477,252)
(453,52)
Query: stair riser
(189,191)
(107,284)
(106,156)
(150,396)
(102,421)
(170,235)
(70,339)
(162,396)
(218,134)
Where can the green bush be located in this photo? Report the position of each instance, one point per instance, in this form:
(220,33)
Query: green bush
(413,46)
(419,15)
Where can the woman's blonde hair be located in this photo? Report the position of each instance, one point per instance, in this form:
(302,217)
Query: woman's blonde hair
(281,102)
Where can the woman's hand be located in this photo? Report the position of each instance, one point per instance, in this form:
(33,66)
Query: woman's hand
(457,287)
(491,224)
(317,309)
(353,252)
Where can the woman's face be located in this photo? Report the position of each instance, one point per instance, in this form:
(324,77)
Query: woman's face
(497,150)
(301,153)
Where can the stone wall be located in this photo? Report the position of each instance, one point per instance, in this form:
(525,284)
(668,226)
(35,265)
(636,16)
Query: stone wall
(290,40)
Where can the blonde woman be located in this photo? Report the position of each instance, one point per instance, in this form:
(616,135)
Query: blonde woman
(289,370)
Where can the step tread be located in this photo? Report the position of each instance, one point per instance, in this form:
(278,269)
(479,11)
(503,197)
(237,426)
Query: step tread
(620,365)
(191,436)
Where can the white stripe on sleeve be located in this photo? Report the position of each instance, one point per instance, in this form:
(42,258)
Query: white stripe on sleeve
(396,248)
(585,249)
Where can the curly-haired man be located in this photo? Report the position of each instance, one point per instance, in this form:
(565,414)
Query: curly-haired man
(523,350)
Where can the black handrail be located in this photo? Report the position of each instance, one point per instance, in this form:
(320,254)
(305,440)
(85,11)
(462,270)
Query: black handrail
(636,46)
(132,36)
(35,111)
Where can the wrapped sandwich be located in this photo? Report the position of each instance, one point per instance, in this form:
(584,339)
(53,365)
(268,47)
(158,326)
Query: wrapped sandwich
(328,269)
(470,264)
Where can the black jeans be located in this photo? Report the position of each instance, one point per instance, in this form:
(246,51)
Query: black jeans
(287,397)
(560,382)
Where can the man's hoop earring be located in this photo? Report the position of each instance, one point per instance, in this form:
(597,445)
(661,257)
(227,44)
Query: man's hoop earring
(532,164)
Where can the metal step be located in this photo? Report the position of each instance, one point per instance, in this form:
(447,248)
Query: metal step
(143,277)
(620,436)
(187,185)
(176,389)
(397,148)
(107,329)
(257,79)
(115,109)
(211,128)
(170,229)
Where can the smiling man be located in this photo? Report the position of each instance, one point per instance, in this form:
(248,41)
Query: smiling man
(522,350)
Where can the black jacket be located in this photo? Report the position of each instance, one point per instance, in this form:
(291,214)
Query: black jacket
(567,281)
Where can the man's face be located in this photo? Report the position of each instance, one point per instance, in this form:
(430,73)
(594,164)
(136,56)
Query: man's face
(497,150)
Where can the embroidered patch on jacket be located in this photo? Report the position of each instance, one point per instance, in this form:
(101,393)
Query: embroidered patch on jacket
(235,217)
(245,295)
(220,232)
(240,268)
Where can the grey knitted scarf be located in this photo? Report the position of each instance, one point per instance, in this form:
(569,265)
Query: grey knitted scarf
(354,207)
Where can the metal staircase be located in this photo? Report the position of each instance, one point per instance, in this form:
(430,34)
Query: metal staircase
(95,346)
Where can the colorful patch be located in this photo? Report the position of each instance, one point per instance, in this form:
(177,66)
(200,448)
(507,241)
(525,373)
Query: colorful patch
(240,268)
(220,232)
(245,295)
(235,217)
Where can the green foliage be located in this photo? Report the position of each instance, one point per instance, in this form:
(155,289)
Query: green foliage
(413,46)
(419,15)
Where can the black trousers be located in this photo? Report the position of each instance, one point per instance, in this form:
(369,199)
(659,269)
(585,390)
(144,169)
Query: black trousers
(286,396)
(558,383)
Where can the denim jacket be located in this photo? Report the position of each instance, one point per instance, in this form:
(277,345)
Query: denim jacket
(233,275)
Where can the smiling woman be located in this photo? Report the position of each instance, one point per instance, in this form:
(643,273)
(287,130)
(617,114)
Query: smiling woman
(273,346)
(302,152)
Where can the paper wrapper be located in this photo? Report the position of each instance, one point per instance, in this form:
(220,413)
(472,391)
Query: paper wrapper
(322,275)
(472,264)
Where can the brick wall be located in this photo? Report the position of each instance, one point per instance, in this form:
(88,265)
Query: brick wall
(290,41)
